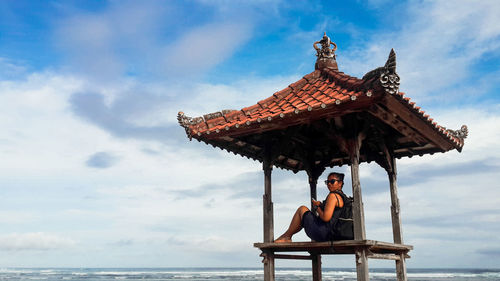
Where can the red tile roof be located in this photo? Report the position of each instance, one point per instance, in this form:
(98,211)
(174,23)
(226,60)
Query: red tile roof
(320,93)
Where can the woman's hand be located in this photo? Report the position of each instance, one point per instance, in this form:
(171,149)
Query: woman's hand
(316,203)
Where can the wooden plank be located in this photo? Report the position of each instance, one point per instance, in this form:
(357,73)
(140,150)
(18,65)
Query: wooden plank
(292,257)
(383,246)
(347,246)
(384,256)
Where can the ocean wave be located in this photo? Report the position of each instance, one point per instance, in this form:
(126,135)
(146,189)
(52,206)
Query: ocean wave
(237,274)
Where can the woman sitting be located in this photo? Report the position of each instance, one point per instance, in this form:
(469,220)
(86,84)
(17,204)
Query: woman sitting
(318,227)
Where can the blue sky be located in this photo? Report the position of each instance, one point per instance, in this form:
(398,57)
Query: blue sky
(96,172)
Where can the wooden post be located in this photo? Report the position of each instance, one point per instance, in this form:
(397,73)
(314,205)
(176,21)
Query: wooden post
(313,183)
(358,212)
(397,231)
(316,267)
(316,258)
(268,219)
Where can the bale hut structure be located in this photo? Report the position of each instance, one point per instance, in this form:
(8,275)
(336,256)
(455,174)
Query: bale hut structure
(328,119)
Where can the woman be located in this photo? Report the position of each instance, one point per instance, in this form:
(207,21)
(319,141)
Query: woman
(318,228)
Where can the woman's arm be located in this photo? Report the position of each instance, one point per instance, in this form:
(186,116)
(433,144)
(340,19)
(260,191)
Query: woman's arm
(331,203)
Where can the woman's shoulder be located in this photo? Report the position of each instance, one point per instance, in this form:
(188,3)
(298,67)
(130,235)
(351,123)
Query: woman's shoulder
(336,196)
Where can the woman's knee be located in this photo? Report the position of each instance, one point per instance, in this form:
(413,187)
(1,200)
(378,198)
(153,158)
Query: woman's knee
(302,209)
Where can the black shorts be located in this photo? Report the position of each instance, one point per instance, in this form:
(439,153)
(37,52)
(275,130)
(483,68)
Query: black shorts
(316,228)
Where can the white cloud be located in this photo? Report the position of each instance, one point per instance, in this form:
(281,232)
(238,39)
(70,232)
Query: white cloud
(36,122)
(204,47)
(129,39)
(437,49)
(34,241)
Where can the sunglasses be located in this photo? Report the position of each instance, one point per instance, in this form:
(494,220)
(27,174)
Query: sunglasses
(330,181)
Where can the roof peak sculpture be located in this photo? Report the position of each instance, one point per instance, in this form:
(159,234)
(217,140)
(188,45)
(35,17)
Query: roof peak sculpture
(326,56)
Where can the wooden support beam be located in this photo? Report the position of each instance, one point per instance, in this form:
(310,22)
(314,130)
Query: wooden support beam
(397,229)
(391,120)
(362,265)
(268,261)
(314,172)
(268,203)
(316,267)
(358,211)
(354,146)
(401,268)
(423,127)
(313,183)
(268,218)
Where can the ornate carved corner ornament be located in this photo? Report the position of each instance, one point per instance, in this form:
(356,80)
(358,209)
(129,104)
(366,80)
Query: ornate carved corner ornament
(387,76)
(326,56)
(460,134)
(186,121)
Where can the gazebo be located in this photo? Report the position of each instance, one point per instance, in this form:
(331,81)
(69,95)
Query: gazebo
(328,119)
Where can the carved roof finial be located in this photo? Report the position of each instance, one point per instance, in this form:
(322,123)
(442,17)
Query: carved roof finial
(326,56)
(386,75)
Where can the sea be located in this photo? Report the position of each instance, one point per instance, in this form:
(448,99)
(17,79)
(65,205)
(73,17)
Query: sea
(238,274)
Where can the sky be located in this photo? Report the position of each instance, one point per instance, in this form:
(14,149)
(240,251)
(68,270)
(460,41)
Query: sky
(96,172)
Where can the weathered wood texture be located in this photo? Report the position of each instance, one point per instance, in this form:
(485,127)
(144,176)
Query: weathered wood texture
(316,267)
(401,268)
(268,217)
(358,210)
(313,183)
(316,259)
(292,257)
(362,265)
(423,127)
(268,204)
(268,265)
(397,228)
(336,247)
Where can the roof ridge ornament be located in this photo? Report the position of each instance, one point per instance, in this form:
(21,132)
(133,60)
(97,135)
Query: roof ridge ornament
(386,75)
(186,121)
(461,133)
(326,56)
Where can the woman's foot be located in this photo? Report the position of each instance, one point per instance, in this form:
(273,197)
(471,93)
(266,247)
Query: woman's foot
(283,239)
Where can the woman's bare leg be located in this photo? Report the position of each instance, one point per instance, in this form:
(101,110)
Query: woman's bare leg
(295,225)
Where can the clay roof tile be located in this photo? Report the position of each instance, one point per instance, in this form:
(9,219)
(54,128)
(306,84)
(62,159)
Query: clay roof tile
(299,84)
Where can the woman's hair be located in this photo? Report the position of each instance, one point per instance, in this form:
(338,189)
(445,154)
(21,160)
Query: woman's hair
(340,176)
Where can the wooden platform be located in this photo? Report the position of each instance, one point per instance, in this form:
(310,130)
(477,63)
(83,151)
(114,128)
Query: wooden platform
(374,249)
